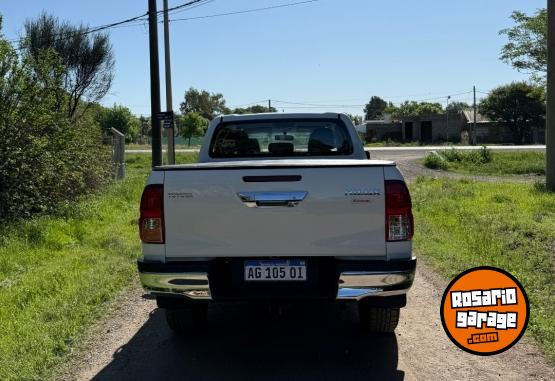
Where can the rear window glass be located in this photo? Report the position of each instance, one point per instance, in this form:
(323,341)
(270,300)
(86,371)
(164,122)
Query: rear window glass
(281,138)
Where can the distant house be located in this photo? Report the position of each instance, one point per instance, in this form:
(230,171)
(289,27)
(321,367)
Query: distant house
(435,128)
(488,131)
(384,129)
(426,129)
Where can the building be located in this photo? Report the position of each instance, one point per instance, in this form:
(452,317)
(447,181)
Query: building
(434,128)
(425,129)
(488,131)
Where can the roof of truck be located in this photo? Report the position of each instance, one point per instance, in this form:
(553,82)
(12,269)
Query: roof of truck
(279,115)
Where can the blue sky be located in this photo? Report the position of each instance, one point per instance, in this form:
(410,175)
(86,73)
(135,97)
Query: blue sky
(328,52)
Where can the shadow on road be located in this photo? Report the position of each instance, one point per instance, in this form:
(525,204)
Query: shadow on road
(246,342)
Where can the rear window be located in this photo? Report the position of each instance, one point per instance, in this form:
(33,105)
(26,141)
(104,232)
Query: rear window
(281,138)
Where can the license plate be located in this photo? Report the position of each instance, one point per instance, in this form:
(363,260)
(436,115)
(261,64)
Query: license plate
(275,270)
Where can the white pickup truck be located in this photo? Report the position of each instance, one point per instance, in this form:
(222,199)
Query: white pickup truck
(280,207)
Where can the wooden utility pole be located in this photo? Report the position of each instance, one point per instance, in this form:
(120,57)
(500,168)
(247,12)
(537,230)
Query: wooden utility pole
(473,134)
(447,116)
(269,105)
(156,140)
(550,125)
(168,71)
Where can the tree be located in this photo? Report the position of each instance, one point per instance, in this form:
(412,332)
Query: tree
(120,118)
(87,58)
(375,108)
(256,109)
(457,107)
(356,119)
(519,105)
(191,124)
(527,47)
(46,158)
(414,110)
(208,105)
(145,128)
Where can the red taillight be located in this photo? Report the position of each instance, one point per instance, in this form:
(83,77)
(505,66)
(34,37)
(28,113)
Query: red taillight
(398,211)
(151,222)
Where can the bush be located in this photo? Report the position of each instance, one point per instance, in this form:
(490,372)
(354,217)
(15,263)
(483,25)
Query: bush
(482,156)
(452,155)
(45,157)
(434,161)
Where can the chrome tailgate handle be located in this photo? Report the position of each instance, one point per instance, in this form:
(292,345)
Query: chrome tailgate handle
(261,199)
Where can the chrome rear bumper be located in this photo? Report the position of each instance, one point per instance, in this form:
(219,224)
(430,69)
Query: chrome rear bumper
(191,285)
(358,285)
(357,280)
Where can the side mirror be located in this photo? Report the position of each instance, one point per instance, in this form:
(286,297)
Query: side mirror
(367,154)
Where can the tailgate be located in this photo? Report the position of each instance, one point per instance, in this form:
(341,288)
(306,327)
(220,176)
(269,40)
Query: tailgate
(305,211)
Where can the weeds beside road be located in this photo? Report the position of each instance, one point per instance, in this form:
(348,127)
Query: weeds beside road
(58,272)
(486,162)
(462,224)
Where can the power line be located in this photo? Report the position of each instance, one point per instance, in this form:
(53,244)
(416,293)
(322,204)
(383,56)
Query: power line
(442,97)
(250,104)
(193,6)
(313,104)
(186,5)
(319,105)
(116,24)
(245,11)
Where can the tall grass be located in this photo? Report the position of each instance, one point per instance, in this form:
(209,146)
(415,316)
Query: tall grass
(58,271)
(462,224)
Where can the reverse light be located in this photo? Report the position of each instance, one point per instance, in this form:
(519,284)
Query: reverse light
(151,222)
(399,223)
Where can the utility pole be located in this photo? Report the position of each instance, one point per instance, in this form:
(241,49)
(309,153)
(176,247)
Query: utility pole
(473,134)
(550,125)
(269,105)
(168,71)
(447,116)
(154,84)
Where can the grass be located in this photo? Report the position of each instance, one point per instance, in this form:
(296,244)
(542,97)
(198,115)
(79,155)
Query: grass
(141,162)
(393,143)
(148,147)
(59,272)
(180,143)
(462,224)
(486,162)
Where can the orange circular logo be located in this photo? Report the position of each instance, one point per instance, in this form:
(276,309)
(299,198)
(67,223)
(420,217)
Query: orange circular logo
(485,311)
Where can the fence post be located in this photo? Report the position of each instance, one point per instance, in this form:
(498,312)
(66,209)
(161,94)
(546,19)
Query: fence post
(118,157)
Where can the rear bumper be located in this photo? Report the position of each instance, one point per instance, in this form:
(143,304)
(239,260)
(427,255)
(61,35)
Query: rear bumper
(344,280)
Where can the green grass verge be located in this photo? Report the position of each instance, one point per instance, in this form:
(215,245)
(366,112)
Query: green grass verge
(462,224)
(489,163)
(58,272)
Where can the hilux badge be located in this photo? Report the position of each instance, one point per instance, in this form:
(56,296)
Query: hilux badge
(362,192)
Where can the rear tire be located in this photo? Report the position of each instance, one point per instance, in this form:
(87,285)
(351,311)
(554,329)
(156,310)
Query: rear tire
(186,320)
(378,319)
